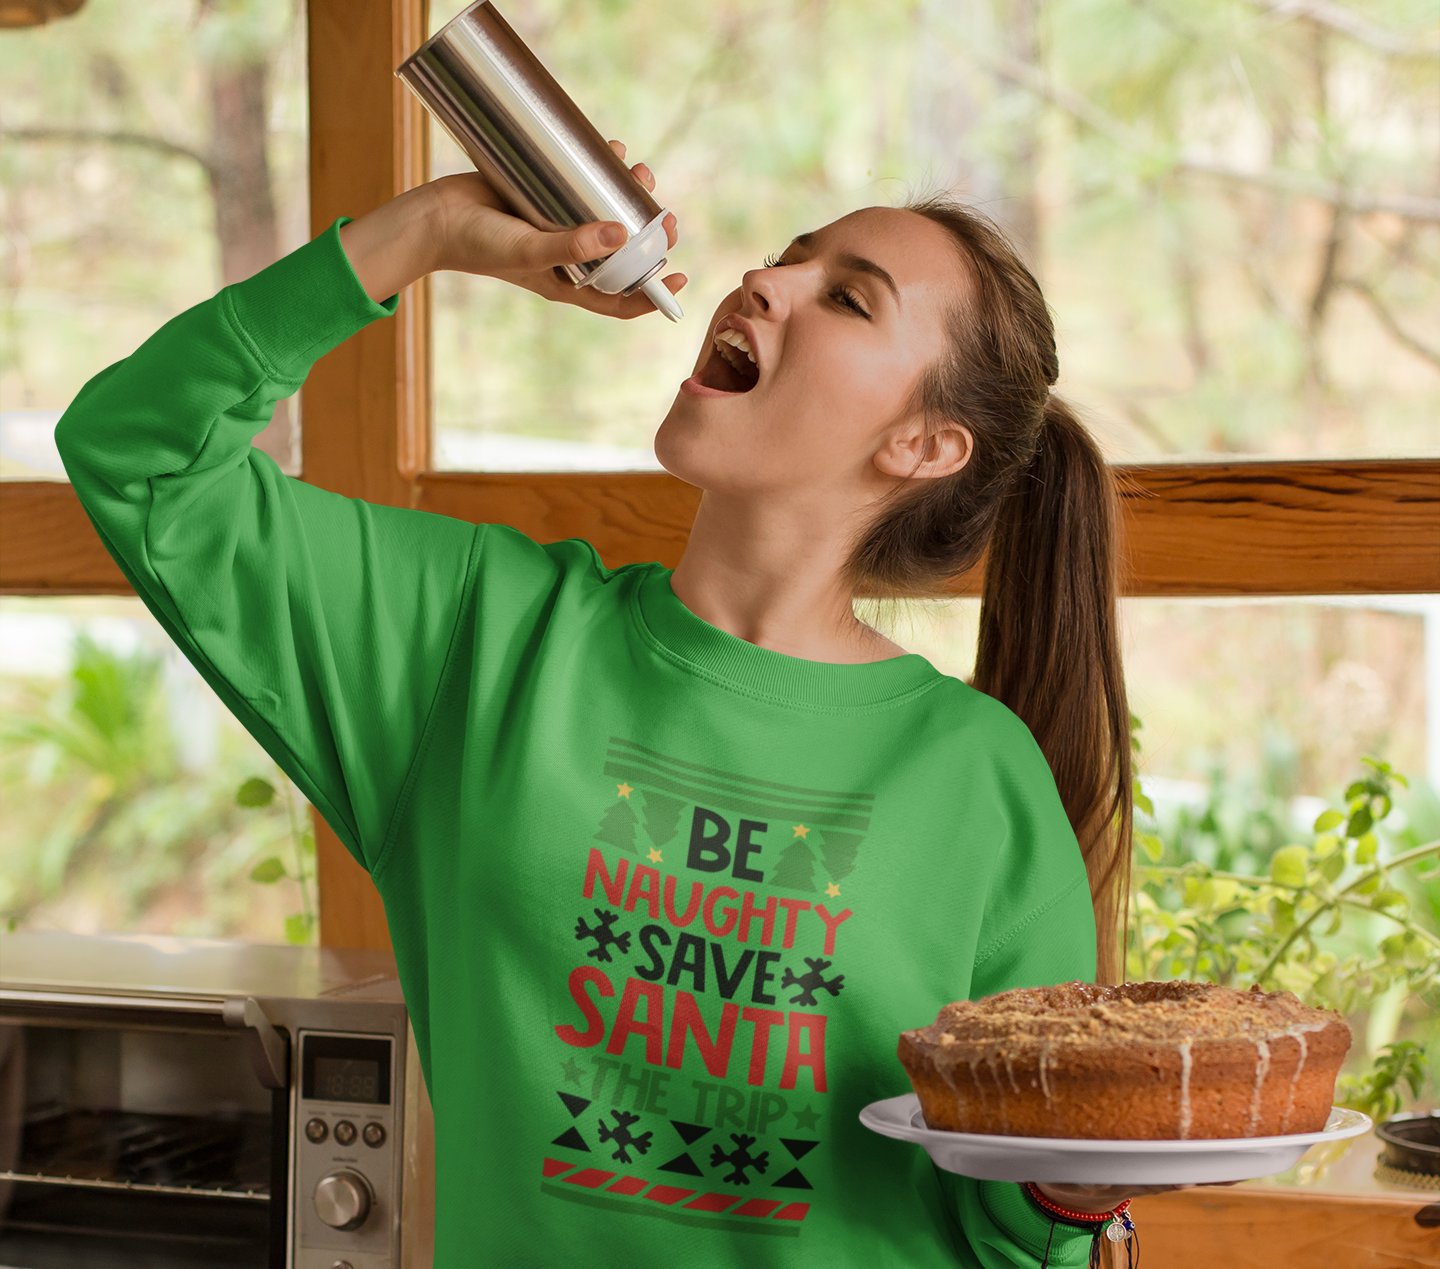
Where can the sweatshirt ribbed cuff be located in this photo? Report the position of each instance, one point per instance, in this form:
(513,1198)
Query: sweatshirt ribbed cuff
(1014,1212)
(294,311)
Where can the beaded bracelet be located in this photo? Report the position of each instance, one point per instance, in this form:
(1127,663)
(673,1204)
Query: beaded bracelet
(1116,1225)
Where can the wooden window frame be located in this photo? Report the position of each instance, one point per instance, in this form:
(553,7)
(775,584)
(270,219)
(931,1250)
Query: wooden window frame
(1308,527)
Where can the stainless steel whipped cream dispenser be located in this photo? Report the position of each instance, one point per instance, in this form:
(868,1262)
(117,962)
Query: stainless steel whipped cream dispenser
(537,149)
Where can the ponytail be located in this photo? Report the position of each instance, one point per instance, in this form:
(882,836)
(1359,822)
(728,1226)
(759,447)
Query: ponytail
(1049,650)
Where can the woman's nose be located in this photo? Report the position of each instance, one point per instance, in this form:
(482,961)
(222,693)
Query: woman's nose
(760,290)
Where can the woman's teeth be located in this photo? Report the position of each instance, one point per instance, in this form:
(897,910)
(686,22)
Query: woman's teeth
(737,340)
(734,350)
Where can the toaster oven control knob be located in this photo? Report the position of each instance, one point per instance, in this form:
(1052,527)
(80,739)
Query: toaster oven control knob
(374,1134)
(344,1132)
(343,1199)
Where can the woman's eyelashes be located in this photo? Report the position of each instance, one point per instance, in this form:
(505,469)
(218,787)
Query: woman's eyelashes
(846,299)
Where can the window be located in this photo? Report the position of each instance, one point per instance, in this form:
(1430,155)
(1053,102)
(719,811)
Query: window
(121,778)
(1222,205)
(151,155)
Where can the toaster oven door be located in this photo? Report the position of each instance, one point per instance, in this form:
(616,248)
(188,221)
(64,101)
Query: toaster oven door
(141,1132)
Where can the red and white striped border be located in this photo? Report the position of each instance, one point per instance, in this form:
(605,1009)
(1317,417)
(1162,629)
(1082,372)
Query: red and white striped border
(673,1195)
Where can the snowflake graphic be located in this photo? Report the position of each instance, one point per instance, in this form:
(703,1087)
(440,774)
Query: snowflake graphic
(619,1132)
(812,980)
(604,936)
(739,1159)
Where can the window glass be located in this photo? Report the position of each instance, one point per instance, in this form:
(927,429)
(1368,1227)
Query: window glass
(1285,693)
(133,800)
(1225,208)
(152,153)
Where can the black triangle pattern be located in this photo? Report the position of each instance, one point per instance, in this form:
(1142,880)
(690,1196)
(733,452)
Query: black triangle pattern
(691,1133)
(798,1148)
(574,1104)
(571,1137)
(682,1163)
(794,1180)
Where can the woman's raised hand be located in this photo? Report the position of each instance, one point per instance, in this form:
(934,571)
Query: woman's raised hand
(478,236)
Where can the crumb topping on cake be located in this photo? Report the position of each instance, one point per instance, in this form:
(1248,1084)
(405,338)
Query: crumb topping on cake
(1148,1060)
(1081,1014)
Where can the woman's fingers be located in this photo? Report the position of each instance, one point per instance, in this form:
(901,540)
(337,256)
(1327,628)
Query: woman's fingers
(646,177)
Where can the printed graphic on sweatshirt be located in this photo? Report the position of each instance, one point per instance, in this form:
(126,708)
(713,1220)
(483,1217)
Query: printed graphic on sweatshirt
(709,926)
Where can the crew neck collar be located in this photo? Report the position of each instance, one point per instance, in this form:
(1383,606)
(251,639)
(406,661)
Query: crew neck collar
(716,654)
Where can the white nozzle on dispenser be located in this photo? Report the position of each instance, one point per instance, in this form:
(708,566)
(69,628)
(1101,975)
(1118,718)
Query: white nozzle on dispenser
(664,299)
(645,251)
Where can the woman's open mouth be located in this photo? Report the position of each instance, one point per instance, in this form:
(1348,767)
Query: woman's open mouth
(726,372)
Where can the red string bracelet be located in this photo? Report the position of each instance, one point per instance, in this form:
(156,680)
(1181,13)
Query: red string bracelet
(1115,1224)
(1069,1214)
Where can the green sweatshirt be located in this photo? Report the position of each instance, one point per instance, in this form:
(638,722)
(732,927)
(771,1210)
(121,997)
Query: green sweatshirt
(661,900)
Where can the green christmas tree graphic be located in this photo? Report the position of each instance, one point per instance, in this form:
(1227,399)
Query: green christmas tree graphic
(618,826)
(662,816)
(796,869)
(838,850)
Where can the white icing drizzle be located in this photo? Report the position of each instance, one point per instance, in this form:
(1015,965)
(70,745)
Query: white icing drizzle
(1010,1071)
(948,1071)
(975,1079)
(1262,1066)
(1185,1064)
(1297,1033)
(995,1075)
(1044,1083)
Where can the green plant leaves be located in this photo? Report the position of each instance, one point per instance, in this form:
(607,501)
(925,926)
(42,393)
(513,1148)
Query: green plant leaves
(1288,865)
(268,871)
(1391,901)
(1312,918)
(259,792)
(255,792)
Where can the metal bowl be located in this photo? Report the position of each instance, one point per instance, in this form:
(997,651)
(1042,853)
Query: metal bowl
(1412,1142)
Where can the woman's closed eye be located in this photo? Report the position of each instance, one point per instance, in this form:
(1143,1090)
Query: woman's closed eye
(845,298)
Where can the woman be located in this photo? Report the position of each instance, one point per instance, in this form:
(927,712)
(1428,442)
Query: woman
(670,858)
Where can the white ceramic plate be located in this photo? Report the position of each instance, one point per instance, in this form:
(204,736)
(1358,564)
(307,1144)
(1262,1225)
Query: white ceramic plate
(1079,1161)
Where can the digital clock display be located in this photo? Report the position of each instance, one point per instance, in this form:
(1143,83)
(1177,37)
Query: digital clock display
(346,1080)
(345,1068)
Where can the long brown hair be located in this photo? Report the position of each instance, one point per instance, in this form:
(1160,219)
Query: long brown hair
(1037,501)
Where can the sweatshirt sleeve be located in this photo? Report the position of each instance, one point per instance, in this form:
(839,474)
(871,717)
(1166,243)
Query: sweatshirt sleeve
(1045,934)
(322,622)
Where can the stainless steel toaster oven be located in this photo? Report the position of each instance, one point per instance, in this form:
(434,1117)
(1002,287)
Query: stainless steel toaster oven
(169,1102)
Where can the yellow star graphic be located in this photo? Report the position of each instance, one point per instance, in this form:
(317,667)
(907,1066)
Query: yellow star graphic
(654,856)
(802,830)
(624,790)
(833,890)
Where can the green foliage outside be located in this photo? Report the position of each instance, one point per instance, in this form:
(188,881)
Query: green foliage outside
(1343,911)
(108,825)
(300,927)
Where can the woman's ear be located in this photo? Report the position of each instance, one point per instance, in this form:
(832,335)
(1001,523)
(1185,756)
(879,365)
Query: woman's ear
(912,451)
